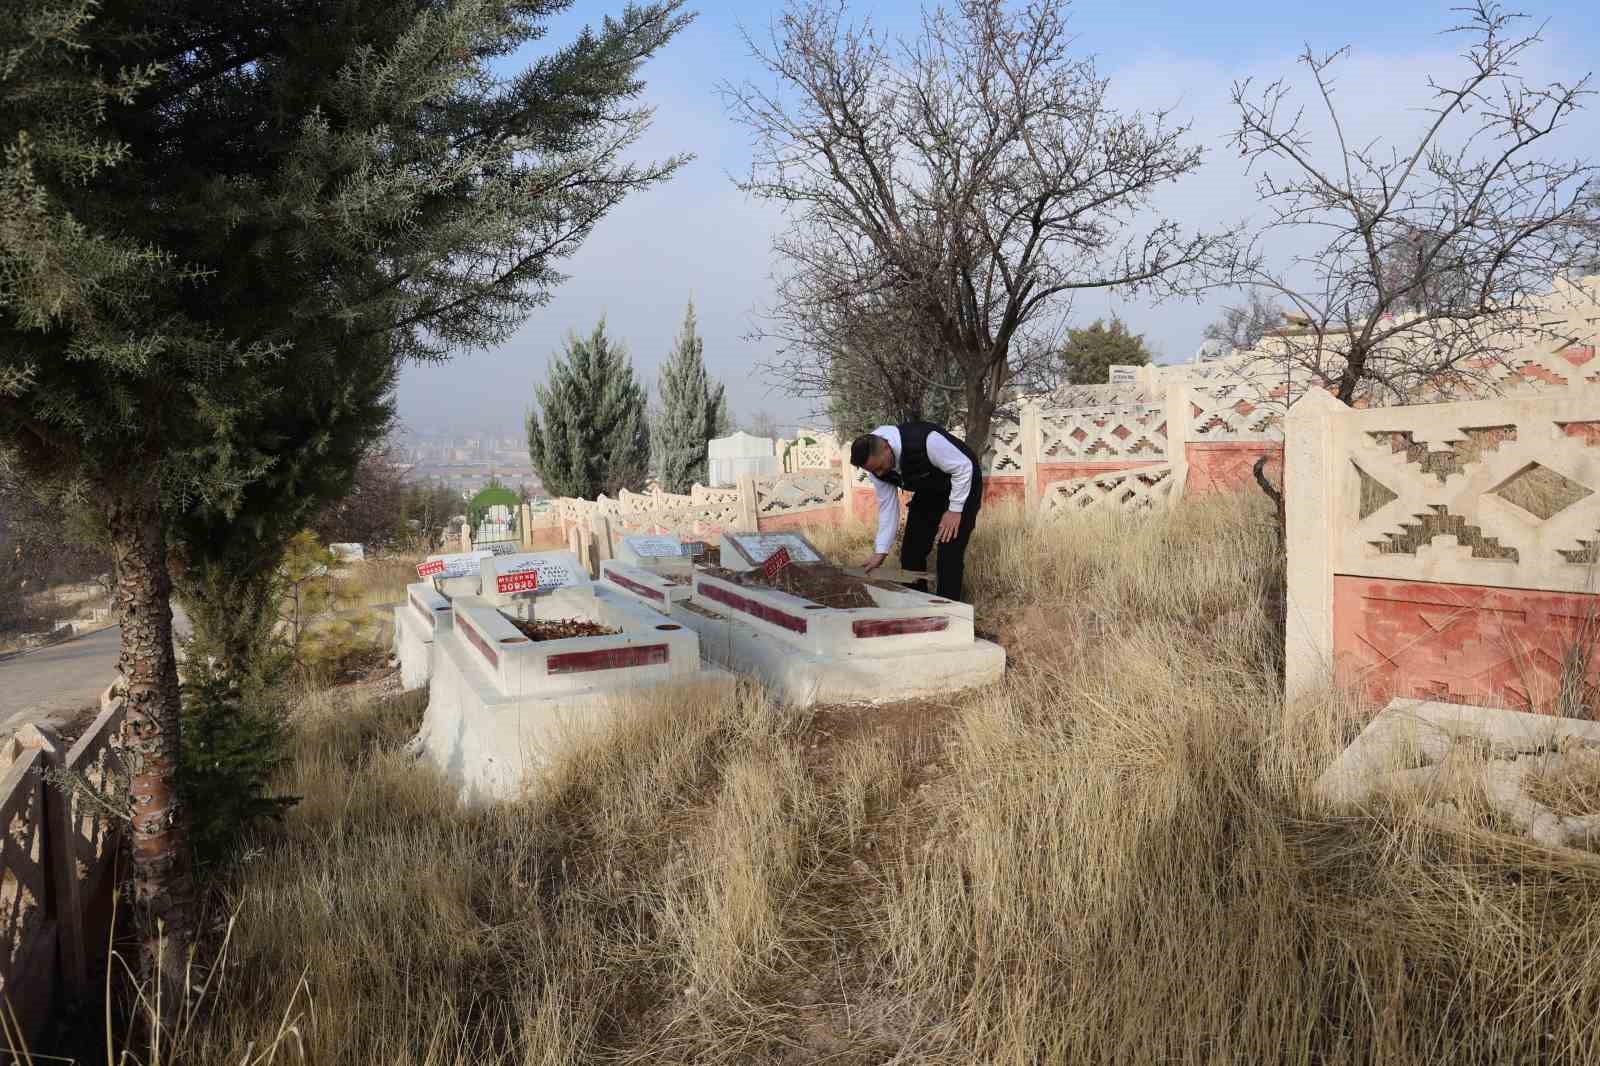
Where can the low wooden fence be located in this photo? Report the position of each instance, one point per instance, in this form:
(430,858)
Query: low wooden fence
(57,867)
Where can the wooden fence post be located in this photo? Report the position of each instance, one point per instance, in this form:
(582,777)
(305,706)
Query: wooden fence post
(58,852)
(747,503)
(1032,432)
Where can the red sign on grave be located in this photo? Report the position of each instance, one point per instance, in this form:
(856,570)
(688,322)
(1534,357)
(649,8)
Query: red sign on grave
(521,581)
(428,569)
(776,563)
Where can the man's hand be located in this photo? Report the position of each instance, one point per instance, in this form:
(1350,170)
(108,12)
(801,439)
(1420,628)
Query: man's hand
(949,526)
(873,562)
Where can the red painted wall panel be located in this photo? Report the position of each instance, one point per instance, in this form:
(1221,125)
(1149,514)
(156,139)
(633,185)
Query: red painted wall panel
(1050,473)
(1461,643)
(1227,466)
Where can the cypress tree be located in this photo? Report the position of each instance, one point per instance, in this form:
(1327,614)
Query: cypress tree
(590,434)
(693,411)
(222,228)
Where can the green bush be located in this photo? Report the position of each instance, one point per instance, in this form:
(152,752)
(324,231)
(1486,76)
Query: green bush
(234,742)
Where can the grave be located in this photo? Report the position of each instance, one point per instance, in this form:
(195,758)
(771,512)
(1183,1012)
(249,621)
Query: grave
(536,657)
(1459,761)
(814,634)
(416,621)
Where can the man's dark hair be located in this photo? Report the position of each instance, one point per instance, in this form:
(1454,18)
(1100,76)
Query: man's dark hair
(862,447)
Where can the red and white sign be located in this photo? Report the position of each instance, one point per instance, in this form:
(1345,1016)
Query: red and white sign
(520,581)
(429,568)
(776,563)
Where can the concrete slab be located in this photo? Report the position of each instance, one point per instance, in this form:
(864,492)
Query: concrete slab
(1428,749)
(648,587)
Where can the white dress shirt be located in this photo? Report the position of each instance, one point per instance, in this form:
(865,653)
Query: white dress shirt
(942,454)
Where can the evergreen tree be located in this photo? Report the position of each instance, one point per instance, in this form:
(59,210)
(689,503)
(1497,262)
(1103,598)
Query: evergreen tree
(693,410)
(590,434)
(1089,354)
(222,227)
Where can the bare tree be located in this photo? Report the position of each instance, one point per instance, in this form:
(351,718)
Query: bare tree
(1436,250)
(1241,328)
(975,175)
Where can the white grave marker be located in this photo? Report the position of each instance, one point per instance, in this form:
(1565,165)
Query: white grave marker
(755,547)
(529,572)
(657,547)
(460,564)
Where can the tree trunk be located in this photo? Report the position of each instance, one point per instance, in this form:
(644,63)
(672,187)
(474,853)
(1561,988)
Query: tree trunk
(163,882)
(980,417)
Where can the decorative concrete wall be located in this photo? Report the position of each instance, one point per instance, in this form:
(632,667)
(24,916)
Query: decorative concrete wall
(1445,550)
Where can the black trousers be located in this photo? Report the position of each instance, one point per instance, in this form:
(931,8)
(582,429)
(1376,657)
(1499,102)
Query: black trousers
(922,526)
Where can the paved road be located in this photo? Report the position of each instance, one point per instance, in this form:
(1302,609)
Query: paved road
(65,677)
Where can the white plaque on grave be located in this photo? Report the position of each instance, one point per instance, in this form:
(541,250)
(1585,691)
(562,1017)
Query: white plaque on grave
(654,547)
(460,564)
(534,573)
(757,546)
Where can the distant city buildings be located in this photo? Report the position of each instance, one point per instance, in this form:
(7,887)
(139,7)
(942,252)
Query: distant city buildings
(465,462)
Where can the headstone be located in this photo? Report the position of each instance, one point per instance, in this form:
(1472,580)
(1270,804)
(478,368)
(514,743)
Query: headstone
(744,551)
(457,564)
(549,584)
(653,547)
(730,458)
(349,553)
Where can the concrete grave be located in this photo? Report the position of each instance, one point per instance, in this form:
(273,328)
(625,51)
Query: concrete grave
(653,588)
(907,644)
(1431,749)
(501,704)
(416,621)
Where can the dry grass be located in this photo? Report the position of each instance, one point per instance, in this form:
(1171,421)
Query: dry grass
(1112,857)
(374,582)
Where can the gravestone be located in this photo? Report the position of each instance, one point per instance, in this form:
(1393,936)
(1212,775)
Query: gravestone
(730,458)
(745,551)
(549,584)
(349,553)
(661,553)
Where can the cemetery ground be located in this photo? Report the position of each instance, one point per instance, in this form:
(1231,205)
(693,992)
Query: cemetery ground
(1113,856)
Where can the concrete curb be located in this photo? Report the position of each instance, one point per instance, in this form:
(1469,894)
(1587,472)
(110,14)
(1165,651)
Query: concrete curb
(77,635)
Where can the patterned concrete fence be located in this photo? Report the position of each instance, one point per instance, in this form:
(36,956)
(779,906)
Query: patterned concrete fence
(1447,551)
(56,867)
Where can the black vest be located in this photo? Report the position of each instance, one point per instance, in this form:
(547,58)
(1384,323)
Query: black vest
(917,472)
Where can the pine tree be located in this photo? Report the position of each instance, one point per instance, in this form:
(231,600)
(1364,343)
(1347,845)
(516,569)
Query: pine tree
(1089,354)
(693,411)
(222,228)
(590,434)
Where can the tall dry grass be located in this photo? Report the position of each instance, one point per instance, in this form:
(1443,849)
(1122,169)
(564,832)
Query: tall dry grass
(1111,857)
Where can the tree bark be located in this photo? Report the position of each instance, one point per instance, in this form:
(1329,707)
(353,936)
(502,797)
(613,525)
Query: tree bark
(163,881)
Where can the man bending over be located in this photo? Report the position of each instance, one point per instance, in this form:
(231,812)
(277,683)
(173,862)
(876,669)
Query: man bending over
(946,489)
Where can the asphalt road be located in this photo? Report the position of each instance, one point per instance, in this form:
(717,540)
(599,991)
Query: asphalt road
(65,677)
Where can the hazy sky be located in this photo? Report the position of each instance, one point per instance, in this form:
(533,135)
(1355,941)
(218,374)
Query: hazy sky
(699,237)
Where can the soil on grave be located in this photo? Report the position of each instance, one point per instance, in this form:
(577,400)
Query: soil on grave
(562,628)
(821,584)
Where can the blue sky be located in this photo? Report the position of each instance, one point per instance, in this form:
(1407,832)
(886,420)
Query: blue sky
(698,236)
